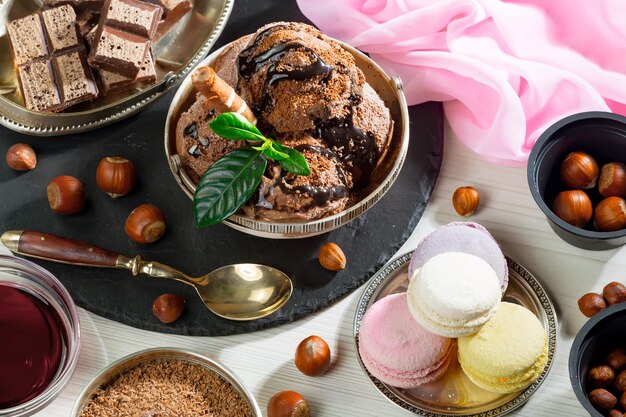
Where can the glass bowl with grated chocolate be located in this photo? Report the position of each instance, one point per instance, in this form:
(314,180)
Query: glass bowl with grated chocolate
(297,91)
(166,382)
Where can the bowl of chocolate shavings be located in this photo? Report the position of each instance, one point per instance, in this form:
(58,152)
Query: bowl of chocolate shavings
(69,66)
(166,382)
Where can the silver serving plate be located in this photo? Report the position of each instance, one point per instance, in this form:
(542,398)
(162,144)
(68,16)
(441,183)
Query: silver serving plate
(176,54)
(109,374)
(389,89)
(454,394)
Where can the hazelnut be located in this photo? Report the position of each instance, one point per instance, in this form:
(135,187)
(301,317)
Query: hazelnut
(465,200)
(312,356)
(66,195)
(288,404)
(115,176)
(602,399)
(617,360)
(145,224)
(620,382)
(591,304)
(615,413)
(573,207)
(613,180)
(601,376)
(614,293)
(579,171)
(168,307)
(622,400)
(332,257)
(610,214)
(21,157)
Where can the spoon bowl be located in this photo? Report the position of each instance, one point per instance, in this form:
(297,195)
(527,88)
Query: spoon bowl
(238,292)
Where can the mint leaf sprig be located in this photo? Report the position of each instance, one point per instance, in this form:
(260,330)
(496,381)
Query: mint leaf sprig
(231,181)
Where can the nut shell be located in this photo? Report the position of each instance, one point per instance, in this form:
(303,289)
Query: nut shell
(602,399)
(115,176)
(332,257)
(620,382)
(145,224)
(168,307)
(601,376)
(614,293)
(21,157)
(610,214)
(288,404)
(573,207)
(66,195)
(465,201)
(590,304)
(617,360)
(579,171)
(312,356)
(613,180)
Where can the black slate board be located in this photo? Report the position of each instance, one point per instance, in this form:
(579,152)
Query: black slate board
(368,241)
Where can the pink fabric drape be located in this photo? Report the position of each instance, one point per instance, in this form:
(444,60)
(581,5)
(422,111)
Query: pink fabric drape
(505,70)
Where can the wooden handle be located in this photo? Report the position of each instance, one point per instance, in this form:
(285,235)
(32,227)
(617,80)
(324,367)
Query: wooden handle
(58,249)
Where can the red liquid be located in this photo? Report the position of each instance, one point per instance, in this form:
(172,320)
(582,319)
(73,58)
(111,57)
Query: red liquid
(31,346)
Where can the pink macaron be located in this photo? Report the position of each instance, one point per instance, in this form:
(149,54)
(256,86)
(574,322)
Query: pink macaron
(396,349)
(466,237)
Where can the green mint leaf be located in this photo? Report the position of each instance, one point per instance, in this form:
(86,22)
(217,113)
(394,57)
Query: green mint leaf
(227,185)
(234,126)
(272,151)
(296,164)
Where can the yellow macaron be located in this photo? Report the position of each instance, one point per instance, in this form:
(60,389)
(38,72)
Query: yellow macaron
(508,353)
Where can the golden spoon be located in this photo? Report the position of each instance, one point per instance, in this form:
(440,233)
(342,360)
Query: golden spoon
(236,292)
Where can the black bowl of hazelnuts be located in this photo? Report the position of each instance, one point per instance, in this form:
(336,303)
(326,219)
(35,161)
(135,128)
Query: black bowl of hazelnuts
(597,363)
(577,176)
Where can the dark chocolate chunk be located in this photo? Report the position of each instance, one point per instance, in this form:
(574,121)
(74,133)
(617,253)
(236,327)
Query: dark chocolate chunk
(192,131)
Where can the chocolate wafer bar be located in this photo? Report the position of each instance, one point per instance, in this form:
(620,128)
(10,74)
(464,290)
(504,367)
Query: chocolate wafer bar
(173,11)
(51,60)
(123,37)
(110,81)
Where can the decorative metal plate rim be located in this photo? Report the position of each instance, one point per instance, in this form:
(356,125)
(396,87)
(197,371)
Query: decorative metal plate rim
(130,107)
(546,304)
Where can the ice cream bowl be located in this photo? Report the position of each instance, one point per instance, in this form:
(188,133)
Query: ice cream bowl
(59,339)
(388,88)
(230,385)
(601,334)
(603,136)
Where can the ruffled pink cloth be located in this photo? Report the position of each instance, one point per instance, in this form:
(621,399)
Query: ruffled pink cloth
(505,70)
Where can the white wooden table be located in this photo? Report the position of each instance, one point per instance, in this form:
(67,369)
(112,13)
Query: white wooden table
(264,360)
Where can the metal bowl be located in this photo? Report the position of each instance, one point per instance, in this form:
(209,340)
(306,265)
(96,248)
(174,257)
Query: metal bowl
(176,54)
(389,89)
(454,394)
(109,374)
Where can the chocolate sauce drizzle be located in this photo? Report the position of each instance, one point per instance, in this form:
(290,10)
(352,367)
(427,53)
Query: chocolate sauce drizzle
(356,148)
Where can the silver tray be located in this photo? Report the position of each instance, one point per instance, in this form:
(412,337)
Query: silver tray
(389,89)
(176,54)
(454,394)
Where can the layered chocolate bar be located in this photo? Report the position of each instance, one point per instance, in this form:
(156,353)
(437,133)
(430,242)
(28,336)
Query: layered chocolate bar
(123,37)
(51,61)
(173,11)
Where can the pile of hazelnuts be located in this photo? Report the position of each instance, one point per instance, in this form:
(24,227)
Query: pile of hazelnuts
(580,173)
(592,303)
(608,384)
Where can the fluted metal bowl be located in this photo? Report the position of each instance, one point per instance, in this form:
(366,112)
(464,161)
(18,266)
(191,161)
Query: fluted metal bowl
(388,88)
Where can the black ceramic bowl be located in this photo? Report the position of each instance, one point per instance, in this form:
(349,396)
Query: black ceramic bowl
(603,333)
(600,134)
